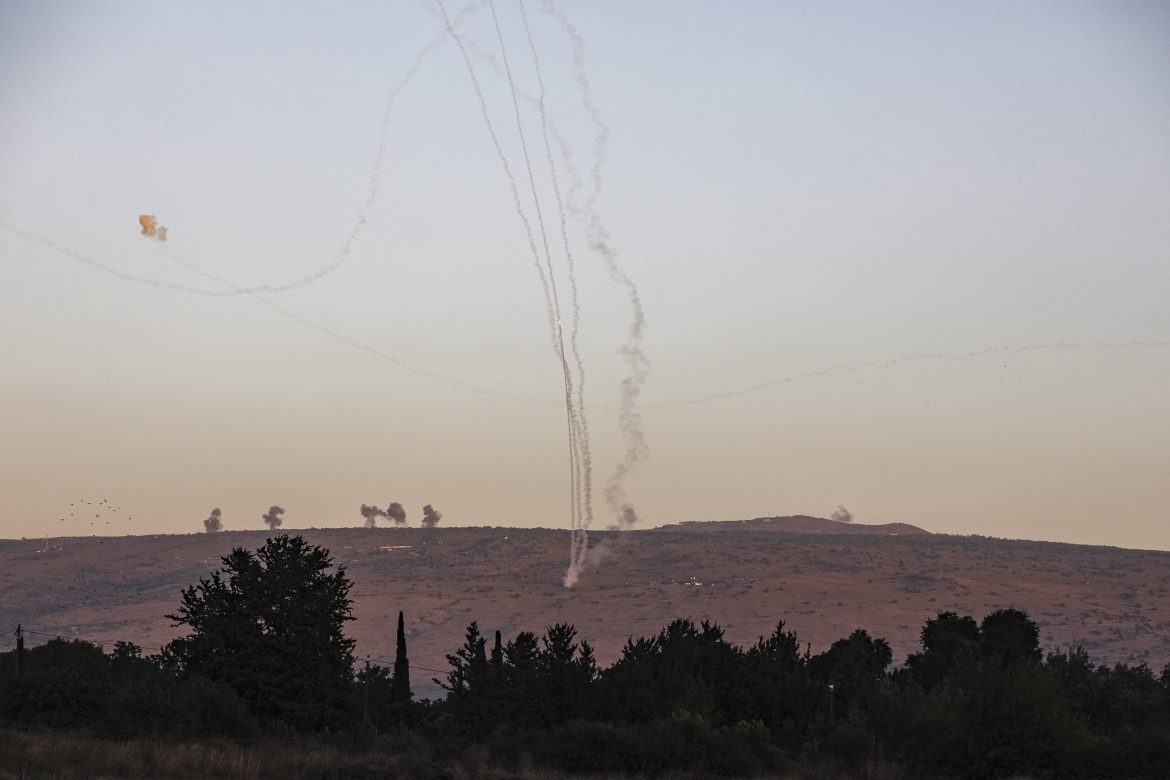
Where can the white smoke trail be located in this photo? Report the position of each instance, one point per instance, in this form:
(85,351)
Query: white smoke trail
(581,547)
(869,365)
(376,169)
(234,289)
(583,470)
(578,446)
(637,366)
(581,461)
(432,376)
(151,229)
(548,281)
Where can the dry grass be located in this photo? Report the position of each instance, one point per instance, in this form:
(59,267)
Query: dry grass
(44,754)
(49,755)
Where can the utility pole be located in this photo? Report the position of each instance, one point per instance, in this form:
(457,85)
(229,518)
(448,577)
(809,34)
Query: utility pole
(19,650)
(830,702)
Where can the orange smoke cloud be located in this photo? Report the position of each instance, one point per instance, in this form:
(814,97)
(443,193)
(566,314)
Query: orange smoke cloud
(151,228)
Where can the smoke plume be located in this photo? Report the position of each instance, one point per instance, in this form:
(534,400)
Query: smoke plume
(637,365)
(371,514)
(842,515)
(151,228)
(431,516)
(273,518)
(213,523)
(396,513)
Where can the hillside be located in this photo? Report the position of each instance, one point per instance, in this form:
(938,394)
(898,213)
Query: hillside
(804,524)
(823,580)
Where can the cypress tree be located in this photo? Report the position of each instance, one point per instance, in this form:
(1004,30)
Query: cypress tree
(497,652)
(400,684)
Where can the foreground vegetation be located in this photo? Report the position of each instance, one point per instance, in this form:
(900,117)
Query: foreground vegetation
(264,685)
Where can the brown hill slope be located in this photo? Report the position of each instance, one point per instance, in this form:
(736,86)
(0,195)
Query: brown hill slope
(804,524)
(745,576)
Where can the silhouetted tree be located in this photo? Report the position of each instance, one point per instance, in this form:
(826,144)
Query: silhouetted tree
(468,683)
(853,666)
(566,670)
(779,688)
(947,640)
(400,687)
(497,658)
(685,667)
(269,625)
(1008,636)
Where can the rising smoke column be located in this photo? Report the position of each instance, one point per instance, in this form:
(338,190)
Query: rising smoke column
(842,515)
(371,514)
(396,513)
(213,523)
(273,518)
(431,516)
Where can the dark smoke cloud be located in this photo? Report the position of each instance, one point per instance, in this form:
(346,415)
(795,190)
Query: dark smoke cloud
(396,513)
(431,516)
(371,514)
(627,518)
(842,515)
(213,523)
(273,518)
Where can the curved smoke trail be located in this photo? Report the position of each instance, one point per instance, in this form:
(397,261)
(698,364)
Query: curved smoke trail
(582,461)
(545,272)
(869,365)
(234,290)
(580,546)
(637,366)
(150,229)
(583,470)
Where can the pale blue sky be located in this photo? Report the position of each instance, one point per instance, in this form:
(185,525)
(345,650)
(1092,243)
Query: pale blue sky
(792,186)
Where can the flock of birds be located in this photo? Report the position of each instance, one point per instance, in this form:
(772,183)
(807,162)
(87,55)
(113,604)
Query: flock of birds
(103,503)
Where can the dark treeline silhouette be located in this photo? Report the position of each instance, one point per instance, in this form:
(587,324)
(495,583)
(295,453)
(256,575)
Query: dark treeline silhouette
(266,658)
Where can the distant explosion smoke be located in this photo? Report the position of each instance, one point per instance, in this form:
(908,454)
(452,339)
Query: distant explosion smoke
(396,513)
(212,523)
(151,228)
(431,516)
(371,514)
(842,515)
(273,518)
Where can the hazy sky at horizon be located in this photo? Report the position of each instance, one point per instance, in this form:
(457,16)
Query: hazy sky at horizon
(792,186)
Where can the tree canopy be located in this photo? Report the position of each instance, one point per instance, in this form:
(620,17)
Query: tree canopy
(269,624)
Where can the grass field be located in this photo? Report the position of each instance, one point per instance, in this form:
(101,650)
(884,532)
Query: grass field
(51,754)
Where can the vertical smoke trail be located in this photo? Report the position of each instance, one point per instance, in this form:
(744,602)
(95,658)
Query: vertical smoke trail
(637,366)
(581,462)
(544,284)
(580,550)
(552,306)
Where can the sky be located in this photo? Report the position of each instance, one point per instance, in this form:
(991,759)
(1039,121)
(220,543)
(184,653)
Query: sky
(906,258)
